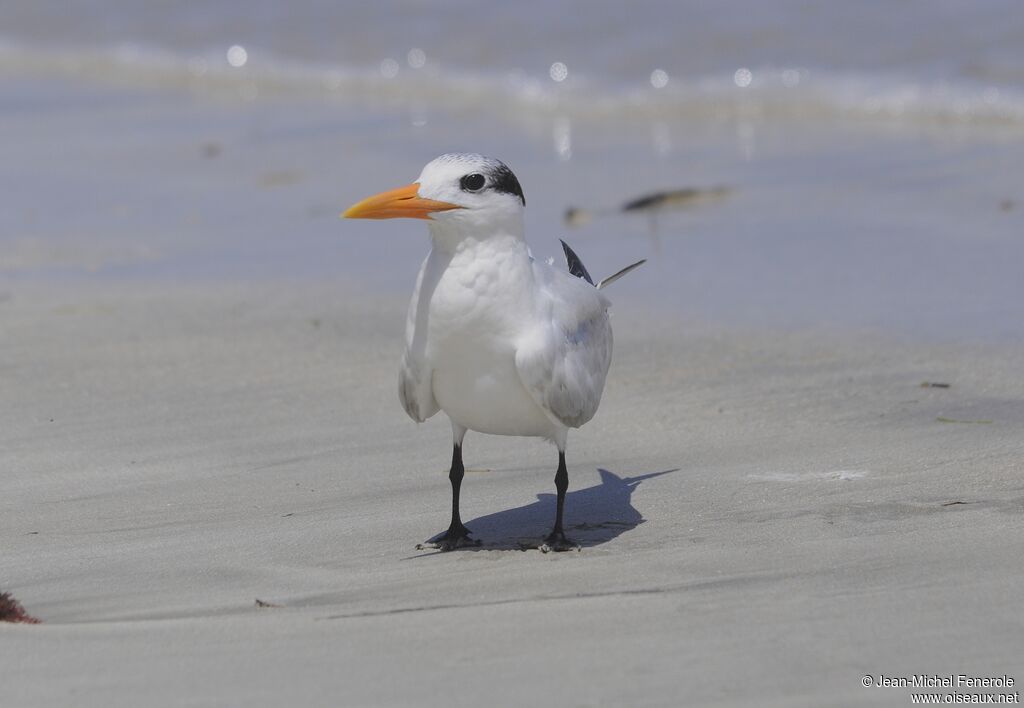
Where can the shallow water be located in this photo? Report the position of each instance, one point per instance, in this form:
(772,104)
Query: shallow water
(917,60)
(873,150)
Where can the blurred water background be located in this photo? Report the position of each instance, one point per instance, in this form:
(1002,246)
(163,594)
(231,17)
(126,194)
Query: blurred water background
(874,151)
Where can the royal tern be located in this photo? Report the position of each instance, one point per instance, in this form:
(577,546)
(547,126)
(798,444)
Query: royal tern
(500,342)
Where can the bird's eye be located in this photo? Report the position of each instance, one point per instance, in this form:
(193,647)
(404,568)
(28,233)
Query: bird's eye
(473,183)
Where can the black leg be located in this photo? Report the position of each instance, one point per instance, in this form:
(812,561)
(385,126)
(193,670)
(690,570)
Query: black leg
(556,540)
(455,475)
(457,534)
(561,484)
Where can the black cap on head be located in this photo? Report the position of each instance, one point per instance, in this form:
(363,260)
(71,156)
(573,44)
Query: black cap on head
(499,176)
(505,181)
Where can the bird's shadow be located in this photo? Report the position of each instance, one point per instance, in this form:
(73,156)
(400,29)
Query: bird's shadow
(593,516)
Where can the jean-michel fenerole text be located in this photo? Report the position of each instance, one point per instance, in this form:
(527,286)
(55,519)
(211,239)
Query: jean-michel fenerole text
(947,681)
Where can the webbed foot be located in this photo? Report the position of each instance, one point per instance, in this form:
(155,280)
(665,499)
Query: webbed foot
(454,537)
(557,542)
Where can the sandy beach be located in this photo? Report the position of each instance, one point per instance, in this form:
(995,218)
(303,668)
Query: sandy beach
(762,513)
(807,466)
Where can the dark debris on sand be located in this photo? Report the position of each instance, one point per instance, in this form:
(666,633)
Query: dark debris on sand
(12,611)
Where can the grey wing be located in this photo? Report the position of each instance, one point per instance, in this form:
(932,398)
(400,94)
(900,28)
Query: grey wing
(414,387)
(415,377)
(563,360)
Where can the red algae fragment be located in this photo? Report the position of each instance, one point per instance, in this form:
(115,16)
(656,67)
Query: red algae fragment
(12,611)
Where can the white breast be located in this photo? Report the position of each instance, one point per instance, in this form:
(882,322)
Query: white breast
(481,304)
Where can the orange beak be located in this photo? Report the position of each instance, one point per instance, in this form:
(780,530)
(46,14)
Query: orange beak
(401,202)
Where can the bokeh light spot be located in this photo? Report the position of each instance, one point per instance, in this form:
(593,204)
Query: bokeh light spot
(389,68)
(237,56)
(416,58)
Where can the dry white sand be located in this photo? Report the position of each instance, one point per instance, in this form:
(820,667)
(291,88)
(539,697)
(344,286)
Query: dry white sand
(170,455)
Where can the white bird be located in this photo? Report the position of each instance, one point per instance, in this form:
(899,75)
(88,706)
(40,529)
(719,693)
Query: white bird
(500,342)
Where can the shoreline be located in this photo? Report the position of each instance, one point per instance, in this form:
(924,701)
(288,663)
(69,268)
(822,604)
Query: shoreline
(832,227)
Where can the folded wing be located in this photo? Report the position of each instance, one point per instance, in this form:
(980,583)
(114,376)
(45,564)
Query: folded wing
(564,358)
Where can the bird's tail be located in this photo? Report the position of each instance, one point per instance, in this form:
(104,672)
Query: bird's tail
(577,268)
(612,278)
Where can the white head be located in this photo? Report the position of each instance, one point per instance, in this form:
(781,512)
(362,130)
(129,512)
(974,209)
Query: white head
(460,192)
